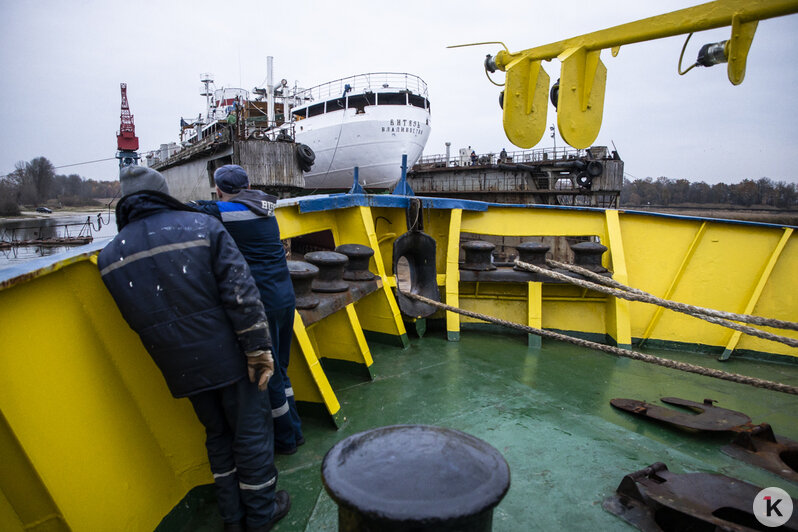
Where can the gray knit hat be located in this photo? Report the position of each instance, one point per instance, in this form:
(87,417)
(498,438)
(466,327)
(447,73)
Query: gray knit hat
(137,178)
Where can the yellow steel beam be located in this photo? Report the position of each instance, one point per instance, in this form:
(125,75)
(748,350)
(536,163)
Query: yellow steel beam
(618,309)
(30,505)
(453,275)
(675,282)
(760,285)
(534,316)
(583,76)
(307,376)
(692,19)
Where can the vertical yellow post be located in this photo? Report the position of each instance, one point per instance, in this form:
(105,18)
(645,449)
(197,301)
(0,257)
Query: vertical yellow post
(380,313)
(453,275)
(534,312)
(307,376)
(618,312)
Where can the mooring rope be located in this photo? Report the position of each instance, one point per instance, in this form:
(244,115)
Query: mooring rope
(651,359)
(745,318)
(633,296)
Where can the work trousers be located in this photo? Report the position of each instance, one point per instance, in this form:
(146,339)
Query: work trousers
(240,447)
(287,425)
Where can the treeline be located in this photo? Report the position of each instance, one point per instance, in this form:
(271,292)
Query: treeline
(35,183)
(747,193)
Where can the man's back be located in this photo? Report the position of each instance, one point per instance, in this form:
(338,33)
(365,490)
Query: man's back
(183,287)
(250,221)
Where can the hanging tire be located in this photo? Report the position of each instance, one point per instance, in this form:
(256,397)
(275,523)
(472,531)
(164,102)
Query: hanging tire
(584,180)
(594,168)
(305,156)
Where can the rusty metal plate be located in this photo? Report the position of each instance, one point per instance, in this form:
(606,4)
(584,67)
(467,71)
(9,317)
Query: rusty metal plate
(654,499)
(708,416)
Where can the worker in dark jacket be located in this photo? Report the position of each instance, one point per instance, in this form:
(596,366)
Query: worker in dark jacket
(249,217)
(182,285)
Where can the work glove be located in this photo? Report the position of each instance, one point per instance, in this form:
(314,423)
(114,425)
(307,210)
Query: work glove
(260,367)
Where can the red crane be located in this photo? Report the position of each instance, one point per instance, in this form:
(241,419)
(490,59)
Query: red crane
(126,139)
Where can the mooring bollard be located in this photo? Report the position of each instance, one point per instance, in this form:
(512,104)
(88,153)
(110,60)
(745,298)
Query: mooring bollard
(331,271)
(415,477)
(532,253)
(588,256)
(477,255)
(358,267)
(302,275)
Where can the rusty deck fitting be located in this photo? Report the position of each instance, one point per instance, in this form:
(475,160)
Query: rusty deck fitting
(709,417)
(757,445)
(656,499)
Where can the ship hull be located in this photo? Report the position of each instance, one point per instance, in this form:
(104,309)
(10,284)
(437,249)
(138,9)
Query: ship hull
(373,141)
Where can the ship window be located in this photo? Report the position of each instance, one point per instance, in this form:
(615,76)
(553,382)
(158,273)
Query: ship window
(418,101)
(300,114)
(392,98)
(360,101)
(316,109)
(336,105)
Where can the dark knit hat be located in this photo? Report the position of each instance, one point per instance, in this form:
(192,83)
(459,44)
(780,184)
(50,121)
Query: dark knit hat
(231,179)
(137,178)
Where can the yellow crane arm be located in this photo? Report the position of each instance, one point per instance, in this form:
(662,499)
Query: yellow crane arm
(580,102)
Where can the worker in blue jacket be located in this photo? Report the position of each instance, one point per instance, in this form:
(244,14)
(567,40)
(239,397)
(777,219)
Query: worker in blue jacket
(249,217)
(182,285)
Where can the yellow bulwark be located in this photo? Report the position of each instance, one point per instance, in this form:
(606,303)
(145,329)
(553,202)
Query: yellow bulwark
(85,415)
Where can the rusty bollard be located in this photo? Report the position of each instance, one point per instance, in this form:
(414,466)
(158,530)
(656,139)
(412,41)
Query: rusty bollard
(331,271)
(588,256)
(532,253)
(477,256)
(302,275)
(358,267)
(415,477)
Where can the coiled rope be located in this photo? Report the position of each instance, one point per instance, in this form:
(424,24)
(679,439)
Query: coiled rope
(651,359)
(673,305)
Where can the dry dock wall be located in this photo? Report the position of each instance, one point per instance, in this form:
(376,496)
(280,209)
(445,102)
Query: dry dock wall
(271,166)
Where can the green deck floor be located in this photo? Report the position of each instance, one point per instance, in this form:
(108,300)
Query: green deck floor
(546,410)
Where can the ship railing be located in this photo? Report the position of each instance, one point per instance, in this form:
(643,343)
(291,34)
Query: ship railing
(509,157)
(373,81)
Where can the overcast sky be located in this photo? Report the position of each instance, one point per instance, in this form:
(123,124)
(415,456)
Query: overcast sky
(63,62)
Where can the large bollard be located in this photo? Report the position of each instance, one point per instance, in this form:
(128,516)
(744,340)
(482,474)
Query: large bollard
(477,255)
(302,276)
(357,269)
(415,477)
(331,271)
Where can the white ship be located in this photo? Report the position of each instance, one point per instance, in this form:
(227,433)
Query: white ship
(366,121)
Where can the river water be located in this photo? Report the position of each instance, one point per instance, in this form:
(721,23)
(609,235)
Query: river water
(99,225)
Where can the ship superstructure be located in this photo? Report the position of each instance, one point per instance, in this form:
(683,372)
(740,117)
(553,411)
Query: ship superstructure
(368,121)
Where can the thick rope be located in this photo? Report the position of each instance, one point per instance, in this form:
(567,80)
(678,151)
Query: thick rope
(651,359)
(745,318)
(632,296)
